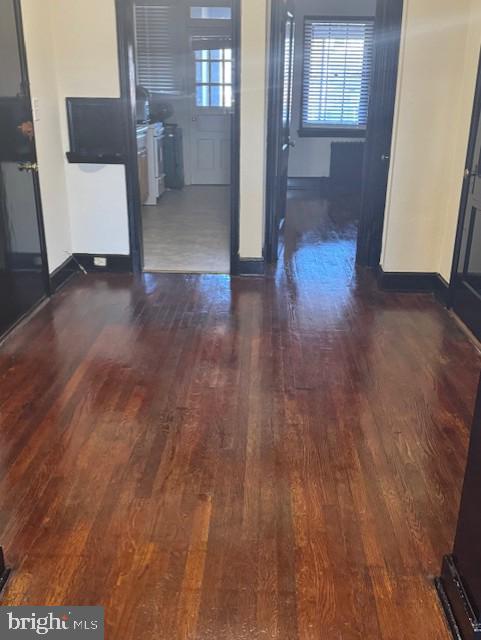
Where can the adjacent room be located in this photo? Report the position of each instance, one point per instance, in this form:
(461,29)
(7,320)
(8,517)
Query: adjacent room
(329,74)
(184,69)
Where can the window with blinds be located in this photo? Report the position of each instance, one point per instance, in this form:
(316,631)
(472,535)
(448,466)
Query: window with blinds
(337,74)
(155,48)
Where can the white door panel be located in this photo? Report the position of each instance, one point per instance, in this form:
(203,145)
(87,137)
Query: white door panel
(211,148)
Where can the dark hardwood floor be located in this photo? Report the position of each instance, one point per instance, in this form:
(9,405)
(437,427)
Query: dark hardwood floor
(216,459)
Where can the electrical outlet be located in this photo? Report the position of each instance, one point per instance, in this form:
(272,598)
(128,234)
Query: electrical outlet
(100,262)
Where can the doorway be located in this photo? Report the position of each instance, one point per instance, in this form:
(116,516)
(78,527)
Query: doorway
(24,279)
(182,87)
(336,142)
(465,288)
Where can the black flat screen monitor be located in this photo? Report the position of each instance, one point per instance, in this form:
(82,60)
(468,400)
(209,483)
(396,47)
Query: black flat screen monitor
(95,126)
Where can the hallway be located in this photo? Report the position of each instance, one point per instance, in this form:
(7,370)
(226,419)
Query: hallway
(250,458)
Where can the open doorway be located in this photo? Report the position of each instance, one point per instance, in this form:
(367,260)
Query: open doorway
(331,109)
(182,88)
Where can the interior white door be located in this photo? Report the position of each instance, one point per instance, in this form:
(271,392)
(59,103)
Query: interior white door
(210,136)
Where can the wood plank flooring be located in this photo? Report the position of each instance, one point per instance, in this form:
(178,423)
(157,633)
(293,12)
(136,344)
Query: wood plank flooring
(217,459)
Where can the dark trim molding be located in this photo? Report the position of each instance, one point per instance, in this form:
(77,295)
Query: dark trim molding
(235,139)
(126,45)
(456,603)
(250,267)
(115,263)
(85,158)
(405,282)
(62,274)
(4,571)
(442,292)
(377,150)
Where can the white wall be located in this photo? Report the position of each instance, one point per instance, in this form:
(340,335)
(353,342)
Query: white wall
(254,36)
(43,83)
(85,39)
(439,56)
(311,157)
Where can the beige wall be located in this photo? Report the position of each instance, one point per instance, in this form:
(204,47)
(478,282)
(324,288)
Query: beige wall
(43,81)
(85,36)
(438,63)
(253,126)
(72,51)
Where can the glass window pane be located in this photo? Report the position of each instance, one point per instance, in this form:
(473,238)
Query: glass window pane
(228,96)
(198,71)
(202,96)
(215,97)
(228,72)
(213,75)
(211,13)
(216,72)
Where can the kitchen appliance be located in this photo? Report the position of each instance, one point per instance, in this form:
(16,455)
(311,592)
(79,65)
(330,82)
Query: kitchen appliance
(174,157)
(155,154)
(143,162)
(143,105)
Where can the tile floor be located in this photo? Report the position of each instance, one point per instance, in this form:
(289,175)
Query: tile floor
(188,231)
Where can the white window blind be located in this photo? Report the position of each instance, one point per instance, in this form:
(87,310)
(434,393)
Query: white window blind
(156,48)
(337,73)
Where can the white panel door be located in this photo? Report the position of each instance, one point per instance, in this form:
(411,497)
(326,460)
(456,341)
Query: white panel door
(210,136)
(211,112)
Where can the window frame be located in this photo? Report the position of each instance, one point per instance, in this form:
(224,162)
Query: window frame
(221,109)
(330,131)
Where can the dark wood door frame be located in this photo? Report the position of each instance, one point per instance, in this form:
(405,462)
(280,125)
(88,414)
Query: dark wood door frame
(126,53)
(377,152)
(476,115)
(274,128)
(372,221)
(459,586)
(35,176)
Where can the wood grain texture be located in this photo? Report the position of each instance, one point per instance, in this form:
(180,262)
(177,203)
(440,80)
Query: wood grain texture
(250,458)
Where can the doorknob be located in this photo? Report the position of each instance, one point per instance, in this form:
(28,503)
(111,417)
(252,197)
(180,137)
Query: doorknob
(385,157)
(468,173)
(27,166)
